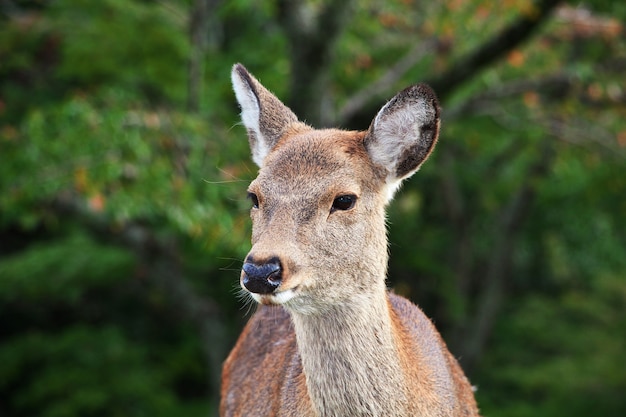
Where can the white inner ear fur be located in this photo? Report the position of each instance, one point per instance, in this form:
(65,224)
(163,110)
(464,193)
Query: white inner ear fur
(250,116)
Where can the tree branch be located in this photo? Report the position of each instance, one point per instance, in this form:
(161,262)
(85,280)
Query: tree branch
(582,132)
(467,67)
(382,85)
(576,131)
(509,38)
(557,84)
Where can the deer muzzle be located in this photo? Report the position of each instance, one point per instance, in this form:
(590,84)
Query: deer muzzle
(261,277)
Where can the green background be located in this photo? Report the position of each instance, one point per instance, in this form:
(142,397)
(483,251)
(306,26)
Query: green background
(123,175)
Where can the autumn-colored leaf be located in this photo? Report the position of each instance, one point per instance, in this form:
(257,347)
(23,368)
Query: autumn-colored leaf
(612,28)
(595,91)
(621,138)
(456,5)
(516,58)
(482,13)
(388,19)
(364,61)
(8,132)
(531,99)
(96,202)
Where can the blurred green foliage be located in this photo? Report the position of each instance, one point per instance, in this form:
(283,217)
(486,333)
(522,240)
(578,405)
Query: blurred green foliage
(123,217)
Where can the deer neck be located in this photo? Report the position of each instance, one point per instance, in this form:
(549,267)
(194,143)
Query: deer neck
(350,359)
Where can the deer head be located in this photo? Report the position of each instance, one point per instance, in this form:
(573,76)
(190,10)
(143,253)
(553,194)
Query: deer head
(318,203)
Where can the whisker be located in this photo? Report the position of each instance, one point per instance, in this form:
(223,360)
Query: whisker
(235,125)
(231,265)
(222,182)
(249,304)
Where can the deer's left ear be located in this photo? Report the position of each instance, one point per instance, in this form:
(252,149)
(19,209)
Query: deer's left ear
(404,133)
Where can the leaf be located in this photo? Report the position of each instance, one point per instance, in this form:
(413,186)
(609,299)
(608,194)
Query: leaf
(516,58)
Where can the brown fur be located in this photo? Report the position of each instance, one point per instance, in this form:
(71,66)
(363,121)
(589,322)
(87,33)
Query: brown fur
(330,340)
(268,345)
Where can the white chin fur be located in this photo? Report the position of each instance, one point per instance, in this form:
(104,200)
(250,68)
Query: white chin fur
(281,297)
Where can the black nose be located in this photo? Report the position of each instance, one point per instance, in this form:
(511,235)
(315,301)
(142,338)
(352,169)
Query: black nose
(262,278)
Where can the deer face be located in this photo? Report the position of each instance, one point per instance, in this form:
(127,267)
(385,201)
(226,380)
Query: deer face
(318,222)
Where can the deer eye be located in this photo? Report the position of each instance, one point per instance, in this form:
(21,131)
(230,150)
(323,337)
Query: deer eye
(343,202)
(255,200)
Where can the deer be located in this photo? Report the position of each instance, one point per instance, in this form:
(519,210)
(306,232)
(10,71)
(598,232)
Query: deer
(328,338)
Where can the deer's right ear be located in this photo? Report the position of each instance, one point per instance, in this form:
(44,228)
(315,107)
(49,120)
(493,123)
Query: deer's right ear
(264,116)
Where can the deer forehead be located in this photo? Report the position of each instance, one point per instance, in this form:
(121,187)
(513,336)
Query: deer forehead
(318,163)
